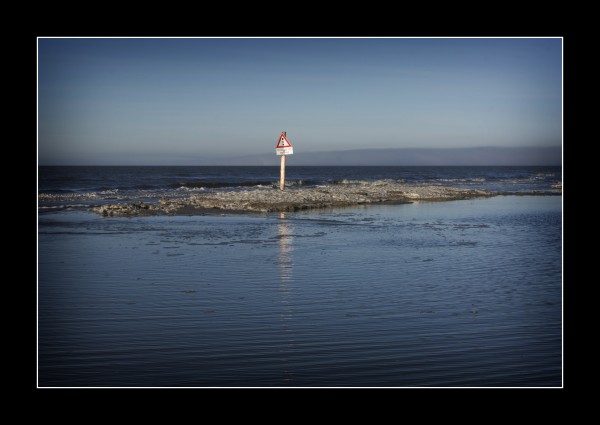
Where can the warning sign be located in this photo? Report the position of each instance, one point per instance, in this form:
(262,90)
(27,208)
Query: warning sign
(283,142)
(284,147)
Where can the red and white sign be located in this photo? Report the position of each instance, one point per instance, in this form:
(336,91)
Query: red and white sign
(283,142)
(284,147)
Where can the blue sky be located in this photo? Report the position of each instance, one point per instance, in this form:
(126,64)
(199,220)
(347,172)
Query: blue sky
(198,101)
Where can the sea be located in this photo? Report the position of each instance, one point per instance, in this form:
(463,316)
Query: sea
(463,293)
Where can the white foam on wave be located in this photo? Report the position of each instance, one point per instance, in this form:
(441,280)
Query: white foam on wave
(67,196)
(379,182)
(190,189)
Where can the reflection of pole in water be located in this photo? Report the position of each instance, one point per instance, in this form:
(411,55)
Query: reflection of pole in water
(285,249)
(285,263)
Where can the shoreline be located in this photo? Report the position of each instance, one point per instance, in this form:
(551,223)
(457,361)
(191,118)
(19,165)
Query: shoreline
(298,199)
(294,199)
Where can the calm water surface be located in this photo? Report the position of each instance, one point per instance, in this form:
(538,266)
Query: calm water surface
(463,293)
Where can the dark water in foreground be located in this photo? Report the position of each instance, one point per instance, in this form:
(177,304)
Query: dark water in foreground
(462,293)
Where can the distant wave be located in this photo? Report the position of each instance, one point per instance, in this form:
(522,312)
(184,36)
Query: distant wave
(232,184)
(378,182)
(219,184)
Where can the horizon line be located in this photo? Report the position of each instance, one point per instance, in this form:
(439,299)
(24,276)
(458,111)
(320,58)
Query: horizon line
(289,165)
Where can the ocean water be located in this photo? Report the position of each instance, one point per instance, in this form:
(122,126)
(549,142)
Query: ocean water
(460,293)
(81,187)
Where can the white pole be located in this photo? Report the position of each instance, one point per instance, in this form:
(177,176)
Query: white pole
(282,174)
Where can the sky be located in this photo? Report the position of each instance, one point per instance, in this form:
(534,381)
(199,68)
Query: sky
(210,101)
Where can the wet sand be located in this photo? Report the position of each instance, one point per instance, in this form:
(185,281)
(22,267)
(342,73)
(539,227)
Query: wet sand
(294,199)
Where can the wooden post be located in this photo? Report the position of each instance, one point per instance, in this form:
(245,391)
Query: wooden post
(282,174)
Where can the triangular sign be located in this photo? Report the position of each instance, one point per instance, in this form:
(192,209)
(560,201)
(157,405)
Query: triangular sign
(283,142)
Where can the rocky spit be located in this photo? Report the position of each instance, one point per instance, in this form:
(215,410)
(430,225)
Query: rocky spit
(294,199)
